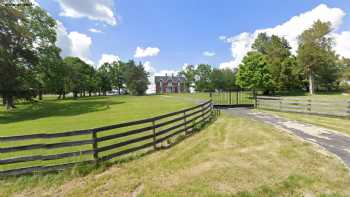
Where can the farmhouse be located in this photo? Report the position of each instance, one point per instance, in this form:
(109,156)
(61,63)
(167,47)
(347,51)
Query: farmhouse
(169,84)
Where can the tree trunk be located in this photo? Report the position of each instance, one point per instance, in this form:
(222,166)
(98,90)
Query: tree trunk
(75,95)
(9,102)
(89,93)
(118,90)
(4,100)
(64,94)
(311,83)
(40,95)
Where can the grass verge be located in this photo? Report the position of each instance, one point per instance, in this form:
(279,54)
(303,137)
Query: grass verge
(338,124)
(232,157)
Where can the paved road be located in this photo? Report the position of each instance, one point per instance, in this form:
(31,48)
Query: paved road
(333,141)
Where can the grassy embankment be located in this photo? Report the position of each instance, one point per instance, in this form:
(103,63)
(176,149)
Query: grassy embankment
(234,156)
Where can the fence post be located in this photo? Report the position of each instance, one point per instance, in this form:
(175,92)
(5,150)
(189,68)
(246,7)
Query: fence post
(94,145)
(255,99)
(154,135)
(309,105)
(237,97)
(230,97)
(348,111)
(280,104)
(211,110)
(185,122)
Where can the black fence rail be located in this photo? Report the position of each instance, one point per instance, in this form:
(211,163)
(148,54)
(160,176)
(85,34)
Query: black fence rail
(67,149)
(237,98)
(340,108)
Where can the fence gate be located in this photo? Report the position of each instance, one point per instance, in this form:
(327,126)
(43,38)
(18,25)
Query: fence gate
(237,98)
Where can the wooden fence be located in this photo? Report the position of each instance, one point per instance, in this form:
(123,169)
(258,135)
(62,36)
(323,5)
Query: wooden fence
(237,97)
(339,108)
(28,154)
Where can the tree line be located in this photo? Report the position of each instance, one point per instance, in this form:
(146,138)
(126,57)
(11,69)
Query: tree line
(31,65)
(205,78)
(272,67)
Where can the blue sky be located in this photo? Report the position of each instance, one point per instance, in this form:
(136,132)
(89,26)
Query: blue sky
(183,30)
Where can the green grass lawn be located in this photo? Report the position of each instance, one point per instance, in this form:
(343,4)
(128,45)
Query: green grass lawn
(50,116)
(338,124)
(232,157)
(54,116)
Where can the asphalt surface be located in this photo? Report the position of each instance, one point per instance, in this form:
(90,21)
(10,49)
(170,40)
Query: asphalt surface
(332,141)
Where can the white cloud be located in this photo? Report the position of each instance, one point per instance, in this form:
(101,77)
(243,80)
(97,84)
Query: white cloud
(100,10)
(63,41)
(109,58)
(149,68)
(342,41)
(93,30)
(146,52)
(222,37)
(81,44)
(73,43)
(152,86)
(209,53)
(185,66)
(291,29)
(167,72)
(230,64)
(34,2)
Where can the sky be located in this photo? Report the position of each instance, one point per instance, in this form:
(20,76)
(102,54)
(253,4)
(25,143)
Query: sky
(166,35)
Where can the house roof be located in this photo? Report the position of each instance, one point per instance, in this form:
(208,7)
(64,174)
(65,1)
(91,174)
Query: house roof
(169,78)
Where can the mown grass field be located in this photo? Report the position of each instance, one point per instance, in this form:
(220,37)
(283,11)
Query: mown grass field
(53,115)
(232,157)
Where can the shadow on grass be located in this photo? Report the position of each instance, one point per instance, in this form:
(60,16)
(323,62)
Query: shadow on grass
(69,107)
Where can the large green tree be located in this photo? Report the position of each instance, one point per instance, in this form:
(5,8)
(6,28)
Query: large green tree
(51,73)
(281,64)
(81,76)
(136,78)
(346,67)
(118,75)
(24,32)
(189,74)
(253,73)
(202,77)
(223,79)
(105,78)
(316,55)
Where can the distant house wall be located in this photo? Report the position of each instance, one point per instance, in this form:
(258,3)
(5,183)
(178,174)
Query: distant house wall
(169,84)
